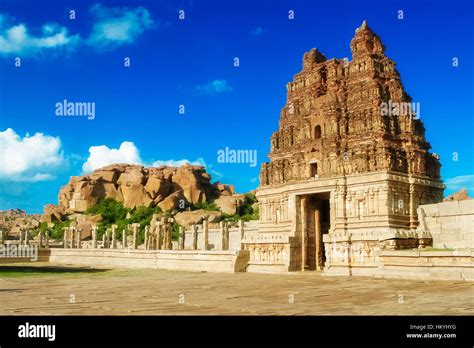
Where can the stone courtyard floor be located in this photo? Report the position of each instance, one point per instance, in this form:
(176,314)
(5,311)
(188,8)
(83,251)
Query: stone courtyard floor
(45,289)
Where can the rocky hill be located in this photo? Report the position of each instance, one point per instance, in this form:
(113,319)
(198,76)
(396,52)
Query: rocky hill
(135,185)
(13,220)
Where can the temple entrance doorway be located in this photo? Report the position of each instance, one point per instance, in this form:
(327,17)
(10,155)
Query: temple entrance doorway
(315,222)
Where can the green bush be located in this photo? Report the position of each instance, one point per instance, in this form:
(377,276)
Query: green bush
(113,212)
(175,230)
(250,198)
(57,231)
(205,205)
(246,211)
(110,209)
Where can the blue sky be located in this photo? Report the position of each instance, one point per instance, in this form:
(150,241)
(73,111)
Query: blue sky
(190,62)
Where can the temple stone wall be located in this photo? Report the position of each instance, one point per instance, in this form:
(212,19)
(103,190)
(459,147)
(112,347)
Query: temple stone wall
(226,261)
(450,224)
(215,239)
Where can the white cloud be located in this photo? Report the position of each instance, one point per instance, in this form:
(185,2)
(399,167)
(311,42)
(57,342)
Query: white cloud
(177,163)
(117,26)
(17,39)
(113,27)
(459,182)
(29,159)
(101,156)
(213,87)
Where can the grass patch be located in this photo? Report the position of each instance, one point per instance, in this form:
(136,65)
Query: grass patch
(14,271)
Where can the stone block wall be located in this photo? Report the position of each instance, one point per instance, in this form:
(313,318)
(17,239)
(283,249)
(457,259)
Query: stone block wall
(451,224)
(250,228)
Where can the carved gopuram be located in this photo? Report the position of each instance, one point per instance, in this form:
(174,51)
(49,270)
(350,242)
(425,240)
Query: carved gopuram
(349,165)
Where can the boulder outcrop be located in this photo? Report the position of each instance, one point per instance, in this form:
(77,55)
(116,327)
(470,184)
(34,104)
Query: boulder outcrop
(135,185)
(461,195)
(188,218)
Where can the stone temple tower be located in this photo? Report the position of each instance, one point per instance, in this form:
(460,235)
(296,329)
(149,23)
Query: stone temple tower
(349,166)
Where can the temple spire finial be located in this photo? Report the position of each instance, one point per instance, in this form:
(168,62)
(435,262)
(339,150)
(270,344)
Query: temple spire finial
(363,26)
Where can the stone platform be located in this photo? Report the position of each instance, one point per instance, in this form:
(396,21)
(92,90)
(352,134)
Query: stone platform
(185,260)
(412,264)
(403,264)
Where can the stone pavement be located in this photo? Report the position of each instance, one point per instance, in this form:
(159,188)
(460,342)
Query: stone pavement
(161,292)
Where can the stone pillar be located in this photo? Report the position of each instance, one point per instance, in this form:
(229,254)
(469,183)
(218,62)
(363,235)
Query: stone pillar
(40,239)
(124,238)
(222,233)
(65,237)
(146,237)
(181,239)
(107,238)
(114,237)
(2,238)
(303,232)
(164,231)
(159,234)
(94,237)
(152,242)
(20,240)
(318,237)
(169,236)
(135,235)
(104,241)
(78,238)
(224,228)
(46,239)
(412,212)
(71,236)
(194,236)
(27,237)
(205,235)
(152,237)
(241,230)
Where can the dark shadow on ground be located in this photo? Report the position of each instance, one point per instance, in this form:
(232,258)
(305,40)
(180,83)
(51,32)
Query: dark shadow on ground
(47,269)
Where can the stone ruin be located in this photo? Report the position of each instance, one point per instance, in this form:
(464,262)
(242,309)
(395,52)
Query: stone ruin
(158,236)
(349,165)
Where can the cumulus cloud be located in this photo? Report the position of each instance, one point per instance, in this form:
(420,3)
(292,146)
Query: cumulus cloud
(17,39)
(459,182)
(117,26)
(101,156)
(29,158)
(113,27)
(177,163)
(213,87)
